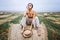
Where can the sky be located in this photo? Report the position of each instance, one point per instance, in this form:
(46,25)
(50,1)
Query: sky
(39,5)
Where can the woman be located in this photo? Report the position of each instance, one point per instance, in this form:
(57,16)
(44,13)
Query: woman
(31,14)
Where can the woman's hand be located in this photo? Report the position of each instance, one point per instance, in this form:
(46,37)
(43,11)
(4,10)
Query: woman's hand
(22,30)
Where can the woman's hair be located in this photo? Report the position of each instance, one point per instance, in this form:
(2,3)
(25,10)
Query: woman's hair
(31,4)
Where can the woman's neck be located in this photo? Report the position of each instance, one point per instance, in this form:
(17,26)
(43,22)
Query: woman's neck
(29,10)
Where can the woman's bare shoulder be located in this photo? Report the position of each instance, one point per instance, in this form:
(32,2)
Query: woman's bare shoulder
(34,11)
(26,11)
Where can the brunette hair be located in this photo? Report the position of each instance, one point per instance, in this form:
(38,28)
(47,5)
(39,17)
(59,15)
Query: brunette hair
(31,4)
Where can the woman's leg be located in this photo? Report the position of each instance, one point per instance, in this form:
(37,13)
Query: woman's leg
(38,26)
(23,21)
(35,22)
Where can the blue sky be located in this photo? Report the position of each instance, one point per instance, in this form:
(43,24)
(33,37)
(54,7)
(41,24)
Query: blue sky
(39,5)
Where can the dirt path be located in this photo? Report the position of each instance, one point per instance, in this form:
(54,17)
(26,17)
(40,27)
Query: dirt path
(14,33)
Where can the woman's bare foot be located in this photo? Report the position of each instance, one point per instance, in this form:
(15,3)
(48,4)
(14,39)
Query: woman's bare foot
(38,32)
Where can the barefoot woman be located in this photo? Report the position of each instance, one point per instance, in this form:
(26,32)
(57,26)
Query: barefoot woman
(31,14)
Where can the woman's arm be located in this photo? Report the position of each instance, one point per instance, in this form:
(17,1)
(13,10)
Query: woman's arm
(25,14)
(34,14)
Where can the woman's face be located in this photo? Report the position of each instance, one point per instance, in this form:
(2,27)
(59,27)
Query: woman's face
(29,6)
